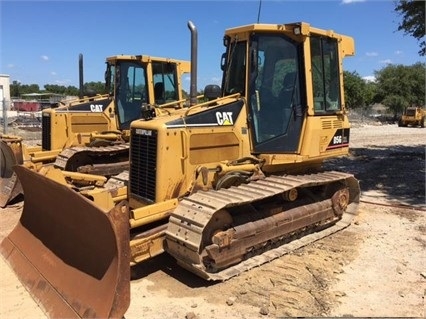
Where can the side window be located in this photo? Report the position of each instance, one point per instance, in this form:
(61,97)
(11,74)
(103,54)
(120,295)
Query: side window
(325,75)
(165,82)
(236,73)
(276,93)
(109,78)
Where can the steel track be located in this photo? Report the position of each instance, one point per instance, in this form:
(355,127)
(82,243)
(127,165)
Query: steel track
(184,235)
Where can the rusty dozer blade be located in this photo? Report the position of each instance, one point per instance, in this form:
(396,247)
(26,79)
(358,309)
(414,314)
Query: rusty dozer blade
(10,155)
(73,257)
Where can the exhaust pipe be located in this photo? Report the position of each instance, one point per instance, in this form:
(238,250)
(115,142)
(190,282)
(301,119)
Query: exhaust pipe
(80,74)
(194,62)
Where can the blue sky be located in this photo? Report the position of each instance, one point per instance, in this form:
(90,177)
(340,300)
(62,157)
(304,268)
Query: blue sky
(41,40)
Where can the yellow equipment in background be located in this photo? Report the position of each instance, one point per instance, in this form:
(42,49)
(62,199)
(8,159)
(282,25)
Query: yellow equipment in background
(413,116)
(90,134)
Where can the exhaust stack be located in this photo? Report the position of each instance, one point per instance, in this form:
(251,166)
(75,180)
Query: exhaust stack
(194,62)
(80,74)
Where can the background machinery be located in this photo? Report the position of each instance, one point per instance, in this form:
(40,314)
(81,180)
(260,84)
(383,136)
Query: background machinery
(413,116)
(222,186)
(90,134)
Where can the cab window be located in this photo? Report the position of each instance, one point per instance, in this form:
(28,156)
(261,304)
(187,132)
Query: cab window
(325,75)
(165,82)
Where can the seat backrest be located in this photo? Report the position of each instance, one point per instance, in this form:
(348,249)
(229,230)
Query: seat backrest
(159,91)
(289,81)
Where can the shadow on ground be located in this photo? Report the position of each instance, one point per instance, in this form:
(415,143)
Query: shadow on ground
(397,171)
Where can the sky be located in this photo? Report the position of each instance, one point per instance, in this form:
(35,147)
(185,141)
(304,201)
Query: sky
(40,41)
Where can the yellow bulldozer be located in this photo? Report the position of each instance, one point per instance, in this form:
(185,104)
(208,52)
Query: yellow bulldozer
(223,185)
(413,116)
(90,134)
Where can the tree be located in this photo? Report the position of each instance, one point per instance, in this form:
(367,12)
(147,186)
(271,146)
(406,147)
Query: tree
(400,86)
(370,92)
(17,89)
(54,88)
(355,90)
(98,87)
(413,20)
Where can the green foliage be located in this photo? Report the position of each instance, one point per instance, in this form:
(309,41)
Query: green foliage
(17,89)
(413,20)
(370,92)
(358,93)
(400,86)
(60,89)
(98,87)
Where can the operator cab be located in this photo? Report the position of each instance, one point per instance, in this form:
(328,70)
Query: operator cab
(273,78)
(130,77)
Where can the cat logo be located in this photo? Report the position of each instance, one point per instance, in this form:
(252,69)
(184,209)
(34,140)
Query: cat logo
(224,118)
(96,107)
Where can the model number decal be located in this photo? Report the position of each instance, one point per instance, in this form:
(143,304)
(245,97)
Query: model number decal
(337,139)
(340,139)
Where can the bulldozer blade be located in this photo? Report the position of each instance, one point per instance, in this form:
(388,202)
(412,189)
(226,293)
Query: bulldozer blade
(10,155)
(73,257)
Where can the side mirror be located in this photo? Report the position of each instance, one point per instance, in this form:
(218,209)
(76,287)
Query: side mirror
(147,112)
(212,92)
(90,92)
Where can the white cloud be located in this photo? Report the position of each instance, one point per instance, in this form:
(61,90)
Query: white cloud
(398,52)
(45,57)
(53,73)
(11,66)
(371,54)
(216,80)
(65,82)
(369,78)
(387,61)
(351,1)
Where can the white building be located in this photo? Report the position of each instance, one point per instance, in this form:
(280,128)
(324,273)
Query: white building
(4,92)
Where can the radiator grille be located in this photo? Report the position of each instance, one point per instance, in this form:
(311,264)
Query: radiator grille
(45,133)
(143,164)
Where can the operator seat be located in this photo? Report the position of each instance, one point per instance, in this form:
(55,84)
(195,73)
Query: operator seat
(286,92)
(287,95)
(276,113)
(159,92)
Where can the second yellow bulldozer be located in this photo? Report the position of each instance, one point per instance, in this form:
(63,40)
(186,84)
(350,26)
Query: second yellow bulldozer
(90,134)
(223,186)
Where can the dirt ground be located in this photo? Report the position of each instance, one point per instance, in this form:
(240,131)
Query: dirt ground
(373,268)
